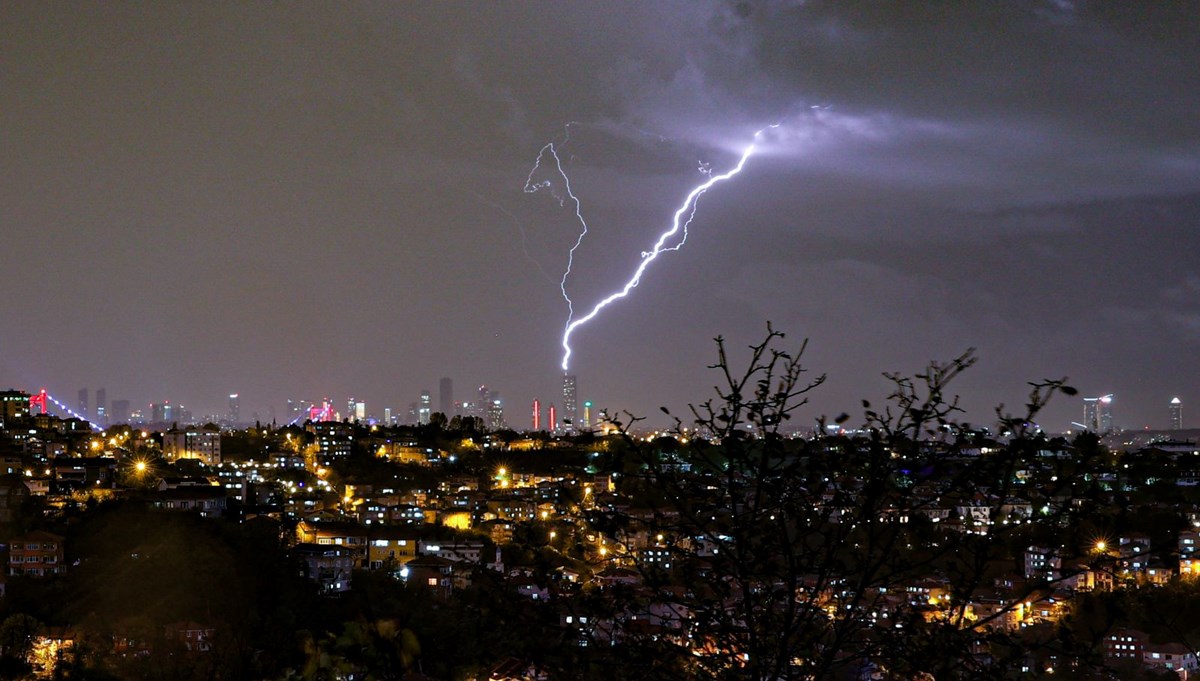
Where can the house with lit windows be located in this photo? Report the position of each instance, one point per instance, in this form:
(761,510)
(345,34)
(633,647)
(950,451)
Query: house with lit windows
(37,553)
(328,565)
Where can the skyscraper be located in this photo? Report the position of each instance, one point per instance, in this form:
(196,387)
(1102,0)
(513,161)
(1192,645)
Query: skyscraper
(446,397)
(495,411)
(119,412)
(161,412)
(1176,411)
(424,407)
(537,416)
(235,408)
(570,412)
(81,407)
(1097,414)
(101,407)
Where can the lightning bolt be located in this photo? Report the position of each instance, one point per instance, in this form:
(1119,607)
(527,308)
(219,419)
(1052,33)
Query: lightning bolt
(532,187)
(678,224)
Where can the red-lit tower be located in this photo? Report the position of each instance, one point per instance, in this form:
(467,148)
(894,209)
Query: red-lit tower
(321,413)
(537,416)
(552,420)
(38,400)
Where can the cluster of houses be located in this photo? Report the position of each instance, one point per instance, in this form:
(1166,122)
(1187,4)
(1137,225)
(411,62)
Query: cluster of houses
(438,536)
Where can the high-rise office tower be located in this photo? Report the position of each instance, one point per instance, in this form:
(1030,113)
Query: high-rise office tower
(387,417)
(119,413)
(161,412)
(1176,411)
(446,397)
(1106,417)
(101,407)
(495,411)
(235,408)
(570,412)
(1097,413)
(587,415)
(81,406)
(424,407)
(537,416)
(552,418)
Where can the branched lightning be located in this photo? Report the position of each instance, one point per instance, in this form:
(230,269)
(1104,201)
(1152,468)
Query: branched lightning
(531,187)
(678,224)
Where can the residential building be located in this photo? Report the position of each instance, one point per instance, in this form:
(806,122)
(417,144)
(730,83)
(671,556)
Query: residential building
(203,444)
(14,406)
(329,566)
(333,438)
(391,545)
(37,553)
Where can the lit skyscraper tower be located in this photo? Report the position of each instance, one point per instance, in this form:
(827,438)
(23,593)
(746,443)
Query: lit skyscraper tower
(1106,418)
(552,419)
(1097,414)
(424,407)
(587,415)
(102,407)
(82,406)
(537,416)
(495,411)
(235,409)
(1176,410)
(570,412)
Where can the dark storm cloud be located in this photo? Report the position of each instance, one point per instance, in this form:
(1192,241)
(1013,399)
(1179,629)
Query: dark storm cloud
(308,200)
(1069,101)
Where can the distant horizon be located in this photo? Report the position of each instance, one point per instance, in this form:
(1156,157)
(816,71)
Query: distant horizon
(347,200)
(642,427)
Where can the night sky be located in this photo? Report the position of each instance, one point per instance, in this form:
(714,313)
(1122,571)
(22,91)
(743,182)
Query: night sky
(326,199)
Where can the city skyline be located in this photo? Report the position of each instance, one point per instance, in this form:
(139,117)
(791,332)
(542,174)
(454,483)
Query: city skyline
(1097,412)
(309,203)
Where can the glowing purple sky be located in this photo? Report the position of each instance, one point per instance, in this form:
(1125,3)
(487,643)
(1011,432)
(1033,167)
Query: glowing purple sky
(327,200)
